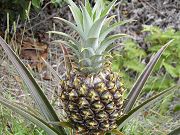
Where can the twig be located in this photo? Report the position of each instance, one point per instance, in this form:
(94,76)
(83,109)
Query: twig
(41,10)
(142,1)
(51,16)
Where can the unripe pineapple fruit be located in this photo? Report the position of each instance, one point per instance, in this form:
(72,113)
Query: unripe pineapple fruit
(93,102)
(91,91)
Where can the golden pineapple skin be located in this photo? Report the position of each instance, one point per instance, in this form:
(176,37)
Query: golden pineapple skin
(92,102)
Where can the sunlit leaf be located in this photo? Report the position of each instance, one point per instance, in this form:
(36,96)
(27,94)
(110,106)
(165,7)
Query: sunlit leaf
(64,34)
(76,14)
(108,41)
(108,8)
(105,32)
(74,27)
(87,21)
(96,28)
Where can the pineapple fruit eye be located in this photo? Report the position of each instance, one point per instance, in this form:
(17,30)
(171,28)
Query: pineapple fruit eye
(76,117)
(83,90)
(106,97)
(92,124)
(114,115)
(117,95)
(83,103)
(93,96)
(88,113)
(110,107)
(73,95)
(98,106)
(102,115)
(104,125)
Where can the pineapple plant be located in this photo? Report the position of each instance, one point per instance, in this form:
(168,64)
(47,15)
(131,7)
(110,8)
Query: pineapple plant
(91,91)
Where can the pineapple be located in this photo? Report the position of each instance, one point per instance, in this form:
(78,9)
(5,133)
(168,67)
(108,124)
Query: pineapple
(91,91)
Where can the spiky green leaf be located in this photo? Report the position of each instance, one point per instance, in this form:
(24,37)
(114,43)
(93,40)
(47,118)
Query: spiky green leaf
(89,50)
(108,8)
(108,41)
(175,131)
(75,48)
(63,124)
(29,116)
(65,35)
(74,27)
(107,30)
(138,85)
(40,99)
(96,28)
(92,43)
(87,21)
(97,9)
(88,7)
(133,113)
(76,14)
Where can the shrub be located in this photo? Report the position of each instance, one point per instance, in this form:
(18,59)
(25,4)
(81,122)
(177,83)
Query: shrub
(132,58)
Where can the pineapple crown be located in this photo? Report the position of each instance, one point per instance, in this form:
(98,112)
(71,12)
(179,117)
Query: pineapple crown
(93,26)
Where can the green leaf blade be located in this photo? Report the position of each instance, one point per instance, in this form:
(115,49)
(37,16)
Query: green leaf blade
(107,42)
(74,27)
(127,117)
(175,131)
(95,30)
(40,99)
(108,8)
(31,117)
(76,14)
(138,85)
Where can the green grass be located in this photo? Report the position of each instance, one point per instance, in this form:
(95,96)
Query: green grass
(12,124)
(158,120)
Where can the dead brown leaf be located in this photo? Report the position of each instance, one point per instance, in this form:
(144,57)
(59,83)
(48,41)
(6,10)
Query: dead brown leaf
(33,51)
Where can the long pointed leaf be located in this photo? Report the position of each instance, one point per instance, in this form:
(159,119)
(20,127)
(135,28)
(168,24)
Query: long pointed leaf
(138,85)
(108,8)
(87,21)
(88,7)
(97,9)
(107,42)
(65,35)
(96,28)
(175,131)
(127,117)
(74,27)
(109,29)
(29,116)
(92,43)
(54,73)
(74,48)
(63,124)
(40,99)
(76,14)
